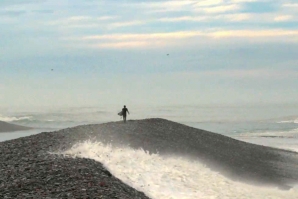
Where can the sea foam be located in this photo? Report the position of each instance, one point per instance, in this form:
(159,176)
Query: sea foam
(11,119)
(171,177)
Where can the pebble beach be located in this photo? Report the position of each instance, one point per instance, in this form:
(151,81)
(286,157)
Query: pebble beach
(37,167)
(28,170)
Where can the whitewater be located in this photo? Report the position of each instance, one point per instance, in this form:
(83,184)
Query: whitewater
(171,177)
(177,177)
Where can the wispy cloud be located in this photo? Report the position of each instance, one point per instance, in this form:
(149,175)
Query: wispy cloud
(237,17)
(218,9)
(80,20)
(206,6)
(167,6)
(172,38)
(43,11)
(171,35)
(170,5)
(105,22)
(243,73)
(126,44)
(225,17)
(125,24)
(254,33)
(295,5)
(208,3)
(283,18)
(135,40)
(183,18)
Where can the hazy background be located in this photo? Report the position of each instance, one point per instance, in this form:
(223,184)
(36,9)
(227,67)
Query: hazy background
(105,53)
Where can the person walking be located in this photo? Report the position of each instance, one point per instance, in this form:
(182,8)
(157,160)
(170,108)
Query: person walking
(124,110)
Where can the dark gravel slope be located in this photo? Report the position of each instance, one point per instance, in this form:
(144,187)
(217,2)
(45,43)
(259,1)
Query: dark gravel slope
(28,170)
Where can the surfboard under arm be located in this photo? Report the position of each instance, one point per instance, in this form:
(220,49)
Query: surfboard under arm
(120,113)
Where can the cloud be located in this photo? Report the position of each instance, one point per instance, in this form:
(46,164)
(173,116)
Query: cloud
(207,6)
(254,33)
(43,11)
(225,17)
(243,1)
(218,9)
(103,22)
(254,73)
(171,5)
(295,5)
(123,40)
(125,24)
(208,3)
(167,6)
(78,19)
(237,17)
(283,18)
(135,40)
(170,35)
(81,21)
(182,18)
(125,44)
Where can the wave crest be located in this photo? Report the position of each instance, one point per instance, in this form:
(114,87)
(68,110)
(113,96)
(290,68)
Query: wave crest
(11,119)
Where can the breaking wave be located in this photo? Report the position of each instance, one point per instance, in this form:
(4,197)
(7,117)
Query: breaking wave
(294,121)
(12,119)
(293,133)
(171,178)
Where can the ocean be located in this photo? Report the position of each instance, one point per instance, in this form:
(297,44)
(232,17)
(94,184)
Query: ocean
(166,178)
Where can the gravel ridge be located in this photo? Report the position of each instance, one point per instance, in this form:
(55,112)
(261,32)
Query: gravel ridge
(28,170)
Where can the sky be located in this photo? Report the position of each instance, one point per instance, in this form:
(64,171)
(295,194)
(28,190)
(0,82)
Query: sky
(97,52)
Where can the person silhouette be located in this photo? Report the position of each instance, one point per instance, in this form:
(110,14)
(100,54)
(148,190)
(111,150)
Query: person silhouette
(124,110)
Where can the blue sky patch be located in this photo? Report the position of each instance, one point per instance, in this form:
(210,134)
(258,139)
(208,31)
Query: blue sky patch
(260,7)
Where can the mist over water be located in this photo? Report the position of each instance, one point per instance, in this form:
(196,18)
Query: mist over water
(270,125)
(194,115)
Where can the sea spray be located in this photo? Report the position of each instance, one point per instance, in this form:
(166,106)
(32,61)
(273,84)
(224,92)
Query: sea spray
(171,177)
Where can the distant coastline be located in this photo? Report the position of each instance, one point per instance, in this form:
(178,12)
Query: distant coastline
(7,127)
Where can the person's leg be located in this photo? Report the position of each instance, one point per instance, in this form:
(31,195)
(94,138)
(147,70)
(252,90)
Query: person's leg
(124,118)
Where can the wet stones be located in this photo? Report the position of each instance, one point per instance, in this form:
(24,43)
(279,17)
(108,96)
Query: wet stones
(29,171)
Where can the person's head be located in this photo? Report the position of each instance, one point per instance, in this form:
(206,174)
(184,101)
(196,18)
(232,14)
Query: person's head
(124,106)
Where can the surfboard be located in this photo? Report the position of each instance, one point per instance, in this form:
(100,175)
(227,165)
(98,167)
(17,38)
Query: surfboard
(120,113)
